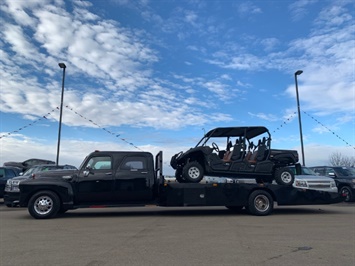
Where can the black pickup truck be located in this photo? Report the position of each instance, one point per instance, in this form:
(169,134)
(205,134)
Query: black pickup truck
(113,179)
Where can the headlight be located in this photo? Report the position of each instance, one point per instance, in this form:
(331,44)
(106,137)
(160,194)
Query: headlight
(332,184)
(301,183)
(8,182)
(16,182)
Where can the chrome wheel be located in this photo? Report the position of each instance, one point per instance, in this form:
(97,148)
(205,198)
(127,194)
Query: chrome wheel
(261,203)
(43,205)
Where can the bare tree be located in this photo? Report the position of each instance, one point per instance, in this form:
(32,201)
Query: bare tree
(337,159)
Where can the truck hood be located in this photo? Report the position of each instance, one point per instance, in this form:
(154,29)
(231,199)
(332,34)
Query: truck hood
(21,177)
(313,177)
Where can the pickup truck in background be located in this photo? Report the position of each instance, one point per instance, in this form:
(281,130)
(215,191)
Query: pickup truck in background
(126,178)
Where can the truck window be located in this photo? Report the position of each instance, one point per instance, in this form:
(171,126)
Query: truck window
(99,163)
(134,164)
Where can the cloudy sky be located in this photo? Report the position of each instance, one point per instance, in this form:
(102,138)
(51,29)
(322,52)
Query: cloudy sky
(155,75)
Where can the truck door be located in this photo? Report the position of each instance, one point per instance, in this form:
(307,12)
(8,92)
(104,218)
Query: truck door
(95,180)
(134,179)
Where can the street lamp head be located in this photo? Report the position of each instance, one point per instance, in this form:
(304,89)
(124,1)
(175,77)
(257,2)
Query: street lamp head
(298,72)
(62,65)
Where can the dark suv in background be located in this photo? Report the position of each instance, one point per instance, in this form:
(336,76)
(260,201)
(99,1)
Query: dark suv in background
(343,176)
(6,173)
(25,165)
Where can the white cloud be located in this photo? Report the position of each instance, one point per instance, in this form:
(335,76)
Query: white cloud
(114,57)
(299,8)
(267,117)
(247,8)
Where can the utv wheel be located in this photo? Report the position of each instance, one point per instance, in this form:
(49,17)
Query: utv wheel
(347,192)
(44,205)
(192,172)
(178,176)
(284,176)
(260,203)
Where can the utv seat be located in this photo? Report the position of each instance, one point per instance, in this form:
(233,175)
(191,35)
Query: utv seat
(253,157)
(251,149)
(228,153)
(261,151)
(238,150)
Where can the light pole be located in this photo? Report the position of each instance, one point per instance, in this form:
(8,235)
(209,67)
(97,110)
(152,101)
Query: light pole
(63,66)
(297,73)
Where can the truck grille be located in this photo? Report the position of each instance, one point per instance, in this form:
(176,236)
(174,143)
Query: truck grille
(319,184)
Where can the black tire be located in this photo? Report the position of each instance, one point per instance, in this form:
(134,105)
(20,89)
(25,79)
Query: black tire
(260,203)
(9,205)
(235,208)
(347,192)
(178,176)
(192,172)
(44,205)
(284,176)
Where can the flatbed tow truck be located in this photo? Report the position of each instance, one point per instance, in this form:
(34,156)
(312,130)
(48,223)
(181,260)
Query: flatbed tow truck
(114,179)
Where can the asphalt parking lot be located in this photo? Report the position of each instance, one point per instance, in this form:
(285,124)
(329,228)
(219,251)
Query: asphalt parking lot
(298,235)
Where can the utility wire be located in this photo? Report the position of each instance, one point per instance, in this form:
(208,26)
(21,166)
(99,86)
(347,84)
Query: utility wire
(71,109)
(284,122)
(30,124)
(104,129)
(347,143)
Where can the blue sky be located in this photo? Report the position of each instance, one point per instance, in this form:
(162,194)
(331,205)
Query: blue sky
(155,75)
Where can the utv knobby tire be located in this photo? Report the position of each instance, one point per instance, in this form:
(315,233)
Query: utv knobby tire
(260,203)
(44,205)
(192,172)
(284,176)
(178,176)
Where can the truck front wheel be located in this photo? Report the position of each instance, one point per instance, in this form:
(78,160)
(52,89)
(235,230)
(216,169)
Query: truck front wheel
(260,203)
(284,176)
(44,205)
(192,172)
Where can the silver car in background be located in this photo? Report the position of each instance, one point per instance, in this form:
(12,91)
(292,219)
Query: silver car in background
(308,179)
